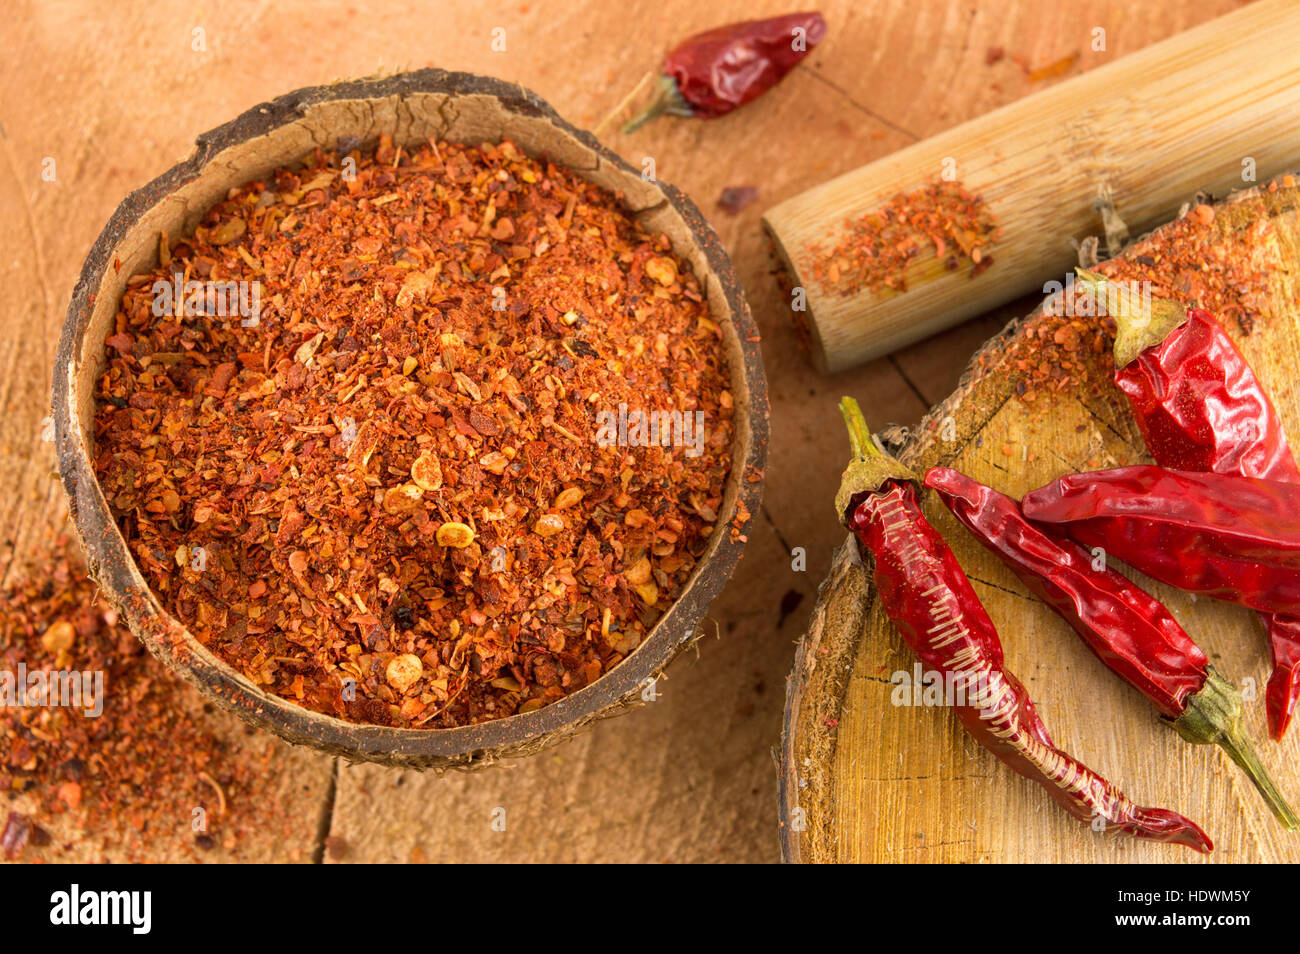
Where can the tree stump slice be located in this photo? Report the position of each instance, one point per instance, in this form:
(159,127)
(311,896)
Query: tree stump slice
(863,780)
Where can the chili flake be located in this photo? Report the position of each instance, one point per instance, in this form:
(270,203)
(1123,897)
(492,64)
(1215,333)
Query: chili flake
(153,754)
(398,461)
(876,249)
(1063,347)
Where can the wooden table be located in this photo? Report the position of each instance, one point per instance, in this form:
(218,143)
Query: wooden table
(107,100)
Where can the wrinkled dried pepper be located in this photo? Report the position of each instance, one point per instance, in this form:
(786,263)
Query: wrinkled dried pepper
(1232,538)
(1201,407)
(924,591)
(1128,629)
(712,73)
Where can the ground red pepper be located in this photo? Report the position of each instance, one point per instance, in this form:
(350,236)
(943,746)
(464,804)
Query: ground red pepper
(1229,537)
(712,73)
(924,591)
(1201,407)
(1066,347)
(133,776)
(875,250)
(395,499)
(1129,630)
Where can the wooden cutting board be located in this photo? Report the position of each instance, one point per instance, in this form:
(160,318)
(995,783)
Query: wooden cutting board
(865,780)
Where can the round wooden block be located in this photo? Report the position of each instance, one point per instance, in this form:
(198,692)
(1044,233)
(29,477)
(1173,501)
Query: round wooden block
(863,779)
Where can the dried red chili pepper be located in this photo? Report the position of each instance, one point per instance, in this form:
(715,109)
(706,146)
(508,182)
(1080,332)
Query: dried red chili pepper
(1201,407)
(1283,692)
(1128,629)
(1232,538)
(924,591)
(714,72)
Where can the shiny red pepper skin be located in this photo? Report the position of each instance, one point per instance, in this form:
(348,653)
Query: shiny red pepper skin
(1129,630)
(1200,407)
(916,571)
(1283,693)
(1232,538)
(725,68)
(712,73)
(924,591)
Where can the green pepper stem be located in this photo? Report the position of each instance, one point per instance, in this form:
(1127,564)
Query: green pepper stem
(859,435)
(667,100)
(870,467)
(1214,715)
(1140,322)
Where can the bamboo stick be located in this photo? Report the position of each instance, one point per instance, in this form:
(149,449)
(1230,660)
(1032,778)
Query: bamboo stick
(1200,110)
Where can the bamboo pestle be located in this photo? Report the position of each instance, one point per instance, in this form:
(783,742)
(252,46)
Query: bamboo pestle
(1204,110)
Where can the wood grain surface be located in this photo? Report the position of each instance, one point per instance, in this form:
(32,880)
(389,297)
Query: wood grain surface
(115,97)
(867,780)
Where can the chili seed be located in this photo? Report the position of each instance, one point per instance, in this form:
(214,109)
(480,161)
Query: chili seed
(427,472)
(402,499)
(457,535)
(60,636)
(638,573)
(567,498)
(662,270)
(548,525)
(402,672)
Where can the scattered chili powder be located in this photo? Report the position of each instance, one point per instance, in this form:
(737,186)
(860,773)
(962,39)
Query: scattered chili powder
(1195,259)
(1191,259)
(877,248)
(387,501)
(140,768)
(1055,352)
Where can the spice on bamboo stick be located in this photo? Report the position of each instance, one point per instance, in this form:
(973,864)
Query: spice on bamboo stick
(875,251)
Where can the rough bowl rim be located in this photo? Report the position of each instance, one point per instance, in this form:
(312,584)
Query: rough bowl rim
(111,564)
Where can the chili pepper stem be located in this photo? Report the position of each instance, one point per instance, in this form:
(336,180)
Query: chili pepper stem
(859,435)
(870,466)
(1214,715)
(622,103)
(667,101)
(1139,323)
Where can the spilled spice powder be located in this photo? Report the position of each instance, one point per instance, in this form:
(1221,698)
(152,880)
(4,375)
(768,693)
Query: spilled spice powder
(388,500)
(1189,260)
(136,772)
(876,249)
